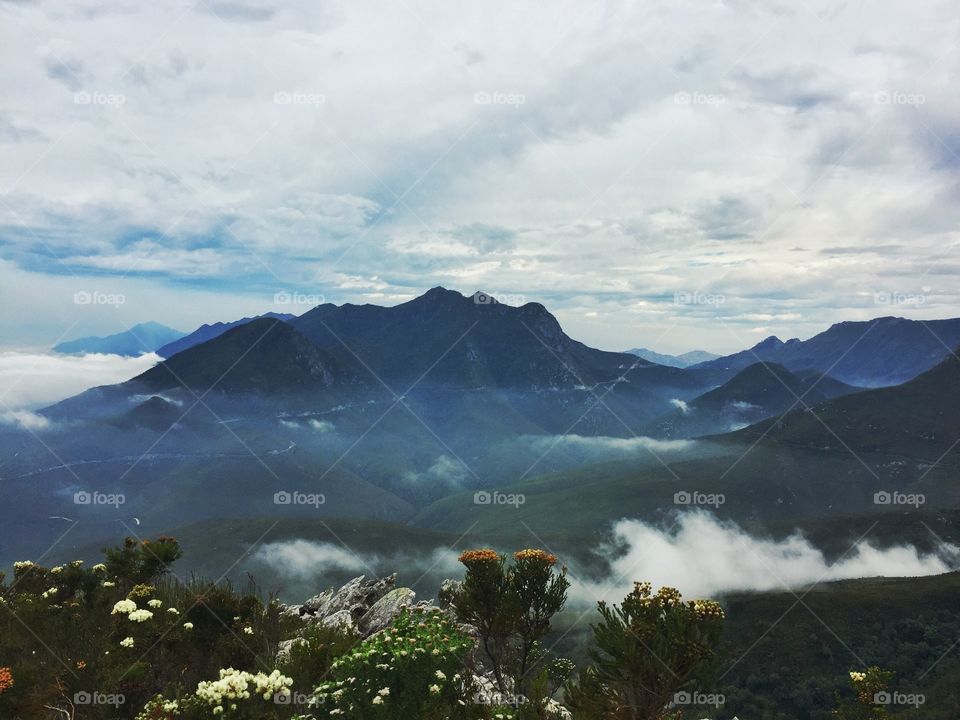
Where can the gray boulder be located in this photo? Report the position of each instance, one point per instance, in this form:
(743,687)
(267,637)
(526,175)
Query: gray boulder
(385,610)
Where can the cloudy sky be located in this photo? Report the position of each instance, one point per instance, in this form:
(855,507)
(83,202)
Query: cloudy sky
(668,174)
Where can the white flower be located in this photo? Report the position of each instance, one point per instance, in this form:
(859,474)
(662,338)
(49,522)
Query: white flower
(383,692)
(155,603)
(173,611)
(107,583)
(99,567)
(56,570)
(123,607)
(188,626)
(140,615)
(127,642)
(440,675)
(23,564)
(378,700)
(435,689)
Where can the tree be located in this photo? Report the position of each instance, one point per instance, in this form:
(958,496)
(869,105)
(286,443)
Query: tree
(647,649)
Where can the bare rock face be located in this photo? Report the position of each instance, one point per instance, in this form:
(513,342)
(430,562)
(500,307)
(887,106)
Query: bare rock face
(356,598)
(383,612)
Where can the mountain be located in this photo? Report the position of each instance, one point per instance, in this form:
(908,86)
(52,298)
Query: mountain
(143,338)
(873,353)
(681,361)
(757,392)
(918,420)
(265,356)
(209,332)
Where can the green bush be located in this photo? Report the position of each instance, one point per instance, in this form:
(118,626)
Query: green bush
(647,649)
(413,670)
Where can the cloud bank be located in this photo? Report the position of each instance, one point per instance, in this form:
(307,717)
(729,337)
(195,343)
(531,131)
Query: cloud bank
(31,381)
(704,556)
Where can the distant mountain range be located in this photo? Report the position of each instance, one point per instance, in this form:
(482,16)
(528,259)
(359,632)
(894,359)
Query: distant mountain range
(758,391)
(872,353)
(681,361)
(209,332)
(401,413)
(143,338)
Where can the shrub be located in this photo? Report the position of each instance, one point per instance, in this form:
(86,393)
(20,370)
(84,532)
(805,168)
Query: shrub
(511,607)
(415,669)
(647,649)
(867,686)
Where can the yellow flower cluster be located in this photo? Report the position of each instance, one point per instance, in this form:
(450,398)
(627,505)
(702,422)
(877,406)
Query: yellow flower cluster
(707,608)
(479,556)
(532,554)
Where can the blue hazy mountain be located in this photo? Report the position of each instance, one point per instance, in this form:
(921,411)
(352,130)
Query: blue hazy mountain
(681,361)
(871,353)
(209,332)
(143,338)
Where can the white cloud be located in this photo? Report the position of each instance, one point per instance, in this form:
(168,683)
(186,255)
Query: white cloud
(680,405)
(606,444)
(718,152)
(703,556)
(30,381)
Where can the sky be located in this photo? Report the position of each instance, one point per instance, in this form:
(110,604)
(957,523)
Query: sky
(674,175)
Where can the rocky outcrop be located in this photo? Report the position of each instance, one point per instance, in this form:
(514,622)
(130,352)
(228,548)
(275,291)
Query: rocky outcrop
(385,610)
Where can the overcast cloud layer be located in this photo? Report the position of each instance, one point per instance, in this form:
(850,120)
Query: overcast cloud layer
(641,169)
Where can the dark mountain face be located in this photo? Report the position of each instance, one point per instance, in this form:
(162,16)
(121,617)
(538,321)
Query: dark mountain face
(209,332)
(918,420)
(884,351)
(142,338)
(265,356)
(759,391)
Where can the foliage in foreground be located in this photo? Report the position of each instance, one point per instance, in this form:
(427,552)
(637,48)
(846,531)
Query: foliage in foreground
(126,639)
